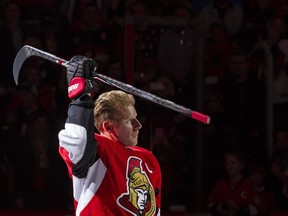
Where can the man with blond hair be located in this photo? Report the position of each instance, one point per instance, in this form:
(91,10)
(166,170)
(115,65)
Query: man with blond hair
(104,165)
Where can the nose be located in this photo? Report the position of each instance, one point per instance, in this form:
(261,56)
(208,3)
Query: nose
(137,124)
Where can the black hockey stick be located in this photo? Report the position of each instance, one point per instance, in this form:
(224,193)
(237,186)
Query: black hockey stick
(28,51)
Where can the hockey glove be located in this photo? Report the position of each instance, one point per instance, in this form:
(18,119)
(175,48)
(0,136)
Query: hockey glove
(80,72)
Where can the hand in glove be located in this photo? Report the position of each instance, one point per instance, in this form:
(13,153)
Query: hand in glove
(80,73)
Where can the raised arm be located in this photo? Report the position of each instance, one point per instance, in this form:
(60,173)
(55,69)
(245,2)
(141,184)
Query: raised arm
(77,145)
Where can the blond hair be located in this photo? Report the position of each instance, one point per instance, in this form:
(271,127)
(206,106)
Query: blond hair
(111,106)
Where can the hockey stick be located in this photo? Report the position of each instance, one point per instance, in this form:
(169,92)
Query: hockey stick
(28,51)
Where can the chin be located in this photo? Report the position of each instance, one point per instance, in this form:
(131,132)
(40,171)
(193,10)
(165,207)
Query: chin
(134,141)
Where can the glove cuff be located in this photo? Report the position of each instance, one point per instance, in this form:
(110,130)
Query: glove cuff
(76,87)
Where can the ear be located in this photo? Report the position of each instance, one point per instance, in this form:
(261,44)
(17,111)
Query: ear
(107,126)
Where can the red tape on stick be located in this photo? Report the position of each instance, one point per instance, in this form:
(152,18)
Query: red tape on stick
(201,117)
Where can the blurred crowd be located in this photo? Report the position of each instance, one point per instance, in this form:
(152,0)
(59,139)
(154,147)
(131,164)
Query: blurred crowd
(233,53)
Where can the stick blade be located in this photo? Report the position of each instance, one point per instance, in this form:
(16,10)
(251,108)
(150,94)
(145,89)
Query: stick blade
(20,58)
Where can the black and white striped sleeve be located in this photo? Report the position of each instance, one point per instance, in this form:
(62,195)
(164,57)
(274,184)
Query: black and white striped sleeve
(77,138)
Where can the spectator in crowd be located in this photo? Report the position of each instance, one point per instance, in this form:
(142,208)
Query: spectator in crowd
(280,97)
(9,133)
(162,85)
(33,9)
(143,38)
(163,129)
(6,92)
(156,117)
(73,10)
(5,182)
(10,129)
(115,69)
(244,101)
(279,168)
(226,196)
(38,177)
(60,97)
(264,198)
(272,40)
(176,54)
(197,5)
(115,13)
(216,65)
(214,143)
(25,104)
(281,8)
(32,74)
(257,12)
(231,15)
(54,31)
(12,34)
(90,36)
(146,38)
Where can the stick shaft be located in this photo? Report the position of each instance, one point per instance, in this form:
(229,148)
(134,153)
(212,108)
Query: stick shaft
(28,51)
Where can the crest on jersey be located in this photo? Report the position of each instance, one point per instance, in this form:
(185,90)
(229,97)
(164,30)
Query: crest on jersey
(139,199)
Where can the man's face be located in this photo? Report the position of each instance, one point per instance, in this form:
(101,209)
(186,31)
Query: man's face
(233,165)
(282,141)
(239,66)
(126,131)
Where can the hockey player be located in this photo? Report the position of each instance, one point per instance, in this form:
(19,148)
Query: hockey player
(110,174)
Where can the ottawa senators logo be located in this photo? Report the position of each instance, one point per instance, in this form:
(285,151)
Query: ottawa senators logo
(139,199)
